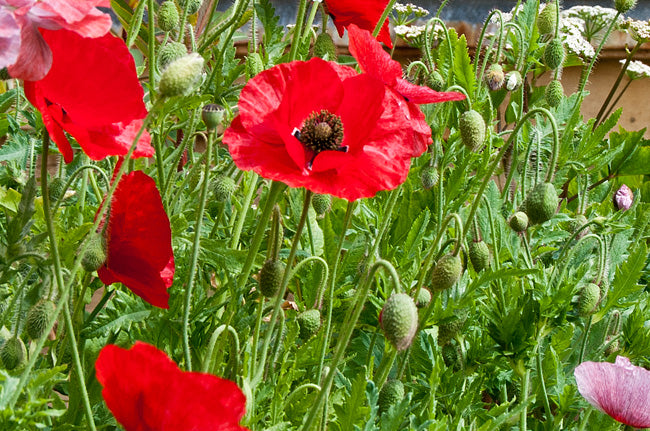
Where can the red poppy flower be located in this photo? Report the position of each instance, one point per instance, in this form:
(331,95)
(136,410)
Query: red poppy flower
(146,391)
(93,93)
(621,390)
(322,126)
(25,52)
(376,62)
(138,240)
(364,13)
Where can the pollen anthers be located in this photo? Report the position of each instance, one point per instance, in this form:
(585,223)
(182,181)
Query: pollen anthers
(322,131)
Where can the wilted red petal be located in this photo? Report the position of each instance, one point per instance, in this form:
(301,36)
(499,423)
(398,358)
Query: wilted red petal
(364,13)
(138,239)
(146,391)
(621,390)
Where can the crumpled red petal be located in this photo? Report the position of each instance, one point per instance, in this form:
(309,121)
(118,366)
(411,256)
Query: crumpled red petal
(146,391)
(138,239)
(621,390)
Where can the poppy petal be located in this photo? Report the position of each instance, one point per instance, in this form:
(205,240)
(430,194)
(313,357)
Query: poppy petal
(35,58)
(9,39)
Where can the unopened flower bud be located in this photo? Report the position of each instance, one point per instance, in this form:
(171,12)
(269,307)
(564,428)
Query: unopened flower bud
(623,198)
(254,64)
(623,6)
(554,54)
(95,255)
(169,53)
(435,81)
(472,129)
(494,77)
(192,6)
(554,93)
(399,320)
(324,47)
(547,18)
(321,203)
(168,16)
(513,80)
(181,75)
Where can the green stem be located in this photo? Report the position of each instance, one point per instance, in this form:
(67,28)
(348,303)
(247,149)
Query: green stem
(383,17)
(297,30)
(540,374)
(613,105)
(152,52)
(612,90)
(208,362)
(585,337)
(384,367)
(195,253)
(385,222)
(523,426)
(241,217)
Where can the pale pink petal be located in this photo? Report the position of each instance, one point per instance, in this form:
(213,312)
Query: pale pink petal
(9,39)
(35,57)
(79,16)
(621,390)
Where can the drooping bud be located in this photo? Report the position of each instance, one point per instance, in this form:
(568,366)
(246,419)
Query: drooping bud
(588,299)
(547,19)
(56,189)
(624,6)
(554,93)
(623,198)
(321,203)
(519,221)
(429,177)
(446,273)
(391,393)
(479,255)
(95,254)
(169,53)
(324,47)
(224,187)
(399,320)
(309,322)
(472,129)
(541,203)
(38,317)
(450,327)
(13,353)
(435,81)
(271,277)
(554,54)
(168,16)
(513,80)
(181,75)
(212,115)
(424,298)
(494,76)
(254,64)
(191,6)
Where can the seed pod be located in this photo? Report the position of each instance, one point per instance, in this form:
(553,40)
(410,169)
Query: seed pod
(446,273)
(479,255)
(212,115)
(472,129)
(519,221)
(324,47)
(541,203)
(168,16)
(13,353)
(554,93)
(399,320)
(554,54)
(547,19)
(309,322)
(271,277)
(38,317)
(429,177)
(588,299)
(181,75)
(321,203)
(391,393)
(224,187)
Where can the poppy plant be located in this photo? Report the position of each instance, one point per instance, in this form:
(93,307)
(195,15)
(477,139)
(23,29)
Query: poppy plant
(621,390)
(146,391)
(376,62)
(322,126)
(22,48)
(93,93)
(138,241)
(364,13)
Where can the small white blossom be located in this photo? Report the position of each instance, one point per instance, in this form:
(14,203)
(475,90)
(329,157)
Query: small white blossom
(572,32)
(637,70)
(639,30)
(410,8)
(411,31)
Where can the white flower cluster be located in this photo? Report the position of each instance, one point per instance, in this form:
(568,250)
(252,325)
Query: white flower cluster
(572,30)
(410,8)
(507,17)
(410,32)
(637,70)
(639,30)
(588,13)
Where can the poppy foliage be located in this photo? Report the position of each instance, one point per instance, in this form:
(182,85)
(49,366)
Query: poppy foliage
(364,13)
(93,93)
(376,62)
(138,240)
(146,391)
(322,126)
(22,48)
(621,390)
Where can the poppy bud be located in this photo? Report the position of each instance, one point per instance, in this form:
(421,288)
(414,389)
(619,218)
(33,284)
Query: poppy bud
(55,189)
(170,52)
(399,320)
(479,255)
(271,277)
(450,327)
(212,115)
(324,47)
(181,75)
(95,255)
(547,18)
(321,203)
(309,322)
(513,80)
(554,54)
(472,129)
(450,356)
(192,6)
(494,76)
(435,81)
(224,187)
(254,64)
(519,221)
(168,16)
(429,177)
(541,203)
(623,6)
(612,346)
(554,93)
(588,299)
(13,353)
(424,298)
(38,317)
(446,273)
(391,393)
(623,198)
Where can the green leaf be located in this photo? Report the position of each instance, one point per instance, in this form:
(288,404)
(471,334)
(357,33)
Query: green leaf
(353,410)
(122,311)
(415,235)
(463,70)
(14,151)
(7,99)
(219,255)
(273,32)
(135,23)
(626,279)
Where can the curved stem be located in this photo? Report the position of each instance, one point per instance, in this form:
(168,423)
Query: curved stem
(628,59)
(324,276)
(195,253)
(208,361)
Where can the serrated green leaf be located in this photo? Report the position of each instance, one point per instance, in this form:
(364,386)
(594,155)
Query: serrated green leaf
(463,70)
(122,311)
(626,279)
(353,410)
(14,151)
(415,235)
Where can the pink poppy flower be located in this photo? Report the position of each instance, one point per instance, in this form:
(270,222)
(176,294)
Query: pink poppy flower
(22,48)
(623,198)
(621,390)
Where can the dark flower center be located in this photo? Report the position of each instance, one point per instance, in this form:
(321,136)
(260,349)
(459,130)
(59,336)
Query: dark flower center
(322,131)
